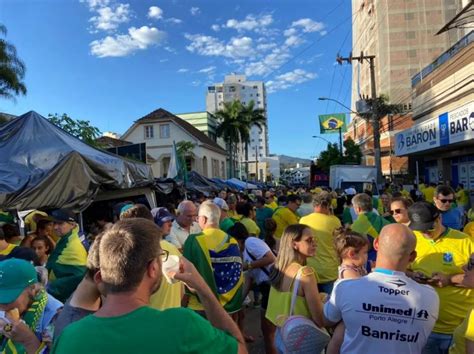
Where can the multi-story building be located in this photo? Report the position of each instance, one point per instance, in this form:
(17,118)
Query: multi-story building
(205,122)
(402,36)
(236,87)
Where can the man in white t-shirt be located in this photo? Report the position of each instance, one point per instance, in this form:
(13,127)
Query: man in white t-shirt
(184,224)
(385,312)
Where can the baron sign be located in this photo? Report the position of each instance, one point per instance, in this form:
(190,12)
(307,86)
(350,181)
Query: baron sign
(448,128)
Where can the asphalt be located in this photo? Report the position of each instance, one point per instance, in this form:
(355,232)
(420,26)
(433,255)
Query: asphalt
(252,327)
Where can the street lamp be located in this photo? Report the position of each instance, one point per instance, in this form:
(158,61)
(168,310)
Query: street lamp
(340,103)
(320,137)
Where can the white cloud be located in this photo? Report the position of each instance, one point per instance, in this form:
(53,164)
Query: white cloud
(110,17)
(196,83)
(96,3)
(183,70)
(208,70)
(171,50)
(290,32)
(265,46)
(195,11)
(125,44)
(250,23)
(164,60)
(174,20)
(216,28)
(308,25)
(289,79)
(211,46)
(267,64)
(293,41)
(155,12)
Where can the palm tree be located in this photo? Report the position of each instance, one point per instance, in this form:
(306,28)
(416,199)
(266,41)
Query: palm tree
(230,129)
(251,116)
(12,69)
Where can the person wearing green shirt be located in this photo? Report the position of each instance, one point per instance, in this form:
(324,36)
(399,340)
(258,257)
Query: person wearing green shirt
(130,259)
(261,214)
(225,222)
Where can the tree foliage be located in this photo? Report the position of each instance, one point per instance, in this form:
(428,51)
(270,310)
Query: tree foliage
(332,155)
(12,69)
(81,129)
(382,107)
(183,148)
(235,123)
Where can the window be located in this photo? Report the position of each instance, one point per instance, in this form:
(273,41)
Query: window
(164,131)
(149,132)
(211,89)
(219,89)
(412,53)
(411,35)
(260,139)
(255,87)
(231,88)
(257,94)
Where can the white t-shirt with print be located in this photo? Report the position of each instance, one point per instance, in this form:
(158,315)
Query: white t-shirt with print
(383,312)
(258,248)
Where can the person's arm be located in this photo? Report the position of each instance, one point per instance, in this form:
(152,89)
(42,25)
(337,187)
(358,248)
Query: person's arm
(266,260)
(442,280)
(311,294)
(350,274)
(215,313)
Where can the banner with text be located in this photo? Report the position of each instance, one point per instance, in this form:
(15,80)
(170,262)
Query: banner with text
(331,123)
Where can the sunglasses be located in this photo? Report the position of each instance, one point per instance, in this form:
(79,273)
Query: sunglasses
(396,211)
(444,201)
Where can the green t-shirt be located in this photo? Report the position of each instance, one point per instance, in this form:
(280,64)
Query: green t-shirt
(144,331)
(226,224)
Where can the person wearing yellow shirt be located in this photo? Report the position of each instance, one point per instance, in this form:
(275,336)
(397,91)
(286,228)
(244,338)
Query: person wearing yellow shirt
(232,204)
(469,229)
(323,224)
(270,201)
(168,295)
(286,216)
(248,218)
(441,254)
(463,338)
(429,192)
(462,198)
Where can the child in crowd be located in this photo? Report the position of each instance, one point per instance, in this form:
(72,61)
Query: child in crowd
(43,247)
(352,249)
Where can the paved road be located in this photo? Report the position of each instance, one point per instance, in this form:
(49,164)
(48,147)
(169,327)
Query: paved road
(252,326)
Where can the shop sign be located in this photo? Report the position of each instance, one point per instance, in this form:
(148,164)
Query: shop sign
(420,137)
(448,128)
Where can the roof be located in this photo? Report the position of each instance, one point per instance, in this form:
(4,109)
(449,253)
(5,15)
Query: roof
(161,115)
(112,142)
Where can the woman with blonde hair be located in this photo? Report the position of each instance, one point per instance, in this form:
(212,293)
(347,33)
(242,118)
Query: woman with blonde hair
(296,245)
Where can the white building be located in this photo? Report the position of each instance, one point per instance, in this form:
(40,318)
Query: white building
(236,87)
(160,128)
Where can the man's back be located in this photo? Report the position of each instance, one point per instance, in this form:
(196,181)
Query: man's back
(384,312)
(145,330)
(325,262)
(216,257)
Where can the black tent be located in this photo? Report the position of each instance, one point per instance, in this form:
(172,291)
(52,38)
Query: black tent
(42,166)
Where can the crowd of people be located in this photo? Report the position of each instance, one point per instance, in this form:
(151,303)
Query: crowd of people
(371,274)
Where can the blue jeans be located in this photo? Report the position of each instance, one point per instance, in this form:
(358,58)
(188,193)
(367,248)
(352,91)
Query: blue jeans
(438,343)
(326,287)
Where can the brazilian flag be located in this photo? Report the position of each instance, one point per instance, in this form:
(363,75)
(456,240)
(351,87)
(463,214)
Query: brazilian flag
(331,123)
(217,258)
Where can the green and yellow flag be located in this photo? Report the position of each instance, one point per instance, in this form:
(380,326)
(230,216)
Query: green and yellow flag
(331,123)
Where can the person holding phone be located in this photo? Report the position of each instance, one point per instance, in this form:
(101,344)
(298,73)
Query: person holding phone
(441,255)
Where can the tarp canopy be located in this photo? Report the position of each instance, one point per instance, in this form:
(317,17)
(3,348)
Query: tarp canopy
(42,166)
(198,183)
(240,184)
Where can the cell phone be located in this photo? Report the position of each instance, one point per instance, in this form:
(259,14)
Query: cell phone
(422,277)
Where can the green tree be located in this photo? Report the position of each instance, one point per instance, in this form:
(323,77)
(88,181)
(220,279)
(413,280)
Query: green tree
(332,155)
(230,127)
(81,129)
(184,147)
(251,116)
(12,69)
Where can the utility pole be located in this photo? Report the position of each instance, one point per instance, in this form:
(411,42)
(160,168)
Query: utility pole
(375,120)
(256,163)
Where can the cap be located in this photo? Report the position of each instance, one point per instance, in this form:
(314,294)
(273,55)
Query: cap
(161,215)
(422,216)
(15,276)
(221,203)
(63,215)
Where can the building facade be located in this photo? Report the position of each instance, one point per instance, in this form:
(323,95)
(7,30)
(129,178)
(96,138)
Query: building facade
(236,87)
(401,35)
(159,129)
(205,122)
(441,139)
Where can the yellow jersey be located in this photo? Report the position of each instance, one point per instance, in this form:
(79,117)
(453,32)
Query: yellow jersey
(448,254)
(284,217)
(168,295)
(325,262)
(251,226)
(428,193)
(469,229)
(463,332)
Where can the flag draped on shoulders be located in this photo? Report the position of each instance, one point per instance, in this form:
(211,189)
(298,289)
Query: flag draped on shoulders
(216,256)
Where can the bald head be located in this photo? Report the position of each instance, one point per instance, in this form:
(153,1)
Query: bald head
(395,244)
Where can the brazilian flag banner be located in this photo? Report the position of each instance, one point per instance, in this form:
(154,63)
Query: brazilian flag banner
(331,123)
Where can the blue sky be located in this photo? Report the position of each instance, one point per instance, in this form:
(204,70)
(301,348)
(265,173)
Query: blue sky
(112,62)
